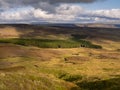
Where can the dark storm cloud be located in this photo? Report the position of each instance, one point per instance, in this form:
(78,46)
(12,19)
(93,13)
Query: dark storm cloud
(59,1)
(13,3)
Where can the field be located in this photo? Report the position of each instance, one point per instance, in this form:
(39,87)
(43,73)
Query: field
(28,66)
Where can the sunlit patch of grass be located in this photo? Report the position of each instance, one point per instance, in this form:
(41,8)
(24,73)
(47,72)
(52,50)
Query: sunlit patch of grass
(50,43)
(29,82)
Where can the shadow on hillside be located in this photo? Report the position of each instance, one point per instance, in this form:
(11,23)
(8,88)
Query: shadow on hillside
(110,84)
(92,83)
(76,32)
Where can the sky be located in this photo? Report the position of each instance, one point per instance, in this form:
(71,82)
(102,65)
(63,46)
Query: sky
(60,11)
(106,4)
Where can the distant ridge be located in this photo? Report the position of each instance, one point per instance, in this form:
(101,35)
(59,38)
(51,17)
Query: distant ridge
(99,25)
(72,25)
(69,25)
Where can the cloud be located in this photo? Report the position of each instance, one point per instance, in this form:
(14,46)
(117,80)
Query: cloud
(37,3)
(69,9)
(46,10)
(31,13)
(16,14)
(113,13)
(62,13)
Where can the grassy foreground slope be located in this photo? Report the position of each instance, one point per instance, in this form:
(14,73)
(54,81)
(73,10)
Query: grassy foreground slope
(58,69)
(33,68)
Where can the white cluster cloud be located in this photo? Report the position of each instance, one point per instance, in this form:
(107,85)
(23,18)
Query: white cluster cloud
(16,14)
(61,13)
(113,13)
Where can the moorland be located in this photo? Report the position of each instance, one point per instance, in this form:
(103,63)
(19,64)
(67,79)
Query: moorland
(46,57)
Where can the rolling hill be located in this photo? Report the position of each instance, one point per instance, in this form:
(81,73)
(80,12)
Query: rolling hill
(29,67)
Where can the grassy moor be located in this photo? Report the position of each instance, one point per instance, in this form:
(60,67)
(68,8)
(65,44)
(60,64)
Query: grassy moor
(43,57)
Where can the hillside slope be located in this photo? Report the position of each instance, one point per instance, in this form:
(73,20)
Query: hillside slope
(103,36)
(33,68)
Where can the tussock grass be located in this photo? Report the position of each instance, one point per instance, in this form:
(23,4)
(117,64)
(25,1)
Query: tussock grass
(29,82)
